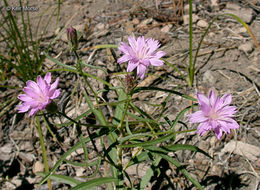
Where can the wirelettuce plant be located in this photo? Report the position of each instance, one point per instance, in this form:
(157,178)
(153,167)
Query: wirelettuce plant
(142,132)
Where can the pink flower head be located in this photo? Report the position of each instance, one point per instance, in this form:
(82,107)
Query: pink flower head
(140,54)
(38,95)
(215,114)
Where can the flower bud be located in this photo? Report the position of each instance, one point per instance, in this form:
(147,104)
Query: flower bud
(72,37)
(52,108)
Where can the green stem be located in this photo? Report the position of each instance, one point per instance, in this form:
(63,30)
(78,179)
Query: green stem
(44,154)
(190,71)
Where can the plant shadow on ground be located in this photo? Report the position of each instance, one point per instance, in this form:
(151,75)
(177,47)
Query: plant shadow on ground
(230,180)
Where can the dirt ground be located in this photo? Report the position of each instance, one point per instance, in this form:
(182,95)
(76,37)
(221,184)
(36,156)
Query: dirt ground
(228,61)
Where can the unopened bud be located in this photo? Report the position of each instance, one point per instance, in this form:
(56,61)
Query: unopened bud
(72,37)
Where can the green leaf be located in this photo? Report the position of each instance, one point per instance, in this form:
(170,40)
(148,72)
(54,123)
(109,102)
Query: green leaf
(143,156)
(94,183)
(61,178)
(182,169)
(59,63)
(150,143)
(176,147)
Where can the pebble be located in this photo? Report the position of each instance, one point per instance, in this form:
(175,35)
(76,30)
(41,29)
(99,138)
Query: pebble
(38,167)
(135,21)
(166,28)
(208,78)
(187,17)
(242,30)
(232,6)
(100,26)
(246,47)
(245,14)
(187,8)
(202,24)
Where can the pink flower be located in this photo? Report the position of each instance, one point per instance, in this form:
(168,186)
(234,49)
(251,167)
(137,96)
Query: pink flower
(141,54)
(38,95)
(215,114)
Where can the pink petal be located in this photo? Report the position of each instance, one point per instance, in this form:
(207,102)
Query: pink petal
(132,42)
(31,92)
(23,108)
(226,99)
(153,45)
(212,98)
(25,98)
(33,111)
(33,86)
(54,85)
(145,62)
(156,62)
(203,128)
(55,94)
(141,69)
(227,111)
(232,124)
(43,85)
(225,126)
(197,117)
(124,58)
(218,132)
(159,54)
(131,66)
(203,102)
(47,78)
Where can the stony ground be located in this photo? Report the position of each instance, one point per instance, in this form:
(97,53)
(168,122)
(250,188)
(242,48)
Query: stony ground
(228,61)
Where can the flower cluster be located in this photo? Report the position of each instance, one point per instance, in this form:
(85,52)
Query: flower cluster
(38,95)
(215,114)
(141,54)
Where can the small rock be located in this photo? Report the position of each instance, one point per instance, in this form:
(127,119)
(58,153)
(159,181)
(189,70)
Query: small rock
(145,22)
(129,27)
(27,157)
(187,17)
(214,4)
(208,78)
(101,74)
(202,24)
(168,172)
(9,185)
(246,14)
(251,152)
(100,26)
(38,167)
(187,8)
(80,172)
(135,21)
(16,181)
(166,28)
(216,170)
(5,152)
(232,6)
(242,30)
(246,47)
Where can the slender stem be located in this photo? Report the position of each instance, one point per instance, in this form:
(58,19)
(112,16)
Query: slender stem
(191,70)
(87,82)
(44,154)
